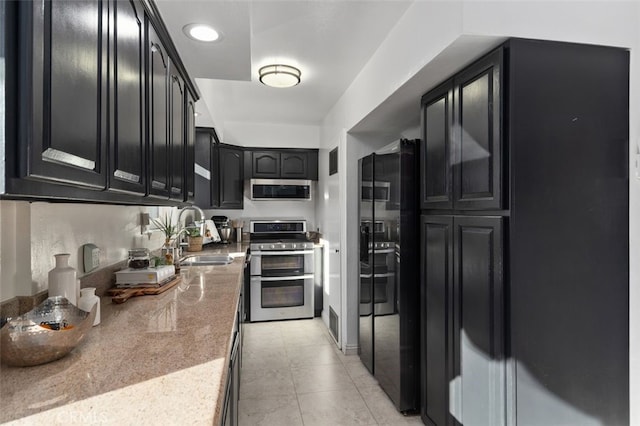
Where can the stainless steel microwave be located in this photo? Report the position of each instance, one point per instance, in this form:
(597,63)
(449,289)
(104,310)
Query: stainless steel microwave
(280,189)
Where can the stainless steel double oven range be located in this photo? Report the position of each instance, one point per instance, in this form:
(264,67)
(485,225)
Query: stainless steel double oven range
(282,268)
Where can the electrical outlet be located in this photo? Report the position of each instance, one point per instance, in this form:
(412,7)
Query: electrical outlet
(91,254)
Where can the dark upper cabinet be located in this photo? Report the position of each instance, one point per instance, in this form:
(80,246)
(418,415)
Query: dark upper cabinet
(282,164)
(463,307)
(231,177)
(94,113)
(294,165)
(63,106)
(437,175)
(265,164)
(177,144)
(462,164)
(204,190)
(127,165)
(219,172)
(477,165)
(189,164)
(158,97)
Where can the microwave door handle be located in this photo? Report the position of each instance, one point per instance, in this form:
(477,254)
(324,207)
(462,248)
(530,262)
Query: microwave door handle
(364,243)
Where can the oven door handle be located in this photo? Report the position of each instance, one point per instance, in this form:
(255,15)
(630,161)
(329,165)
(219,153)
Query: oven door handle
(294,278)
(383,251)
(281,253)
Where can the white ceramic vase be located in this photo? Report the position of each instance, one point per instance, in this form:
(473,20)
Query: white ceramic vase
(88,298)
(62,279)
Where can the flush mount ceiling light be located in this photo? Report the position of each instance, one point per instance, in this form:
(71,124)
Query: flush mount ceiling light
(201,32)
(279,75)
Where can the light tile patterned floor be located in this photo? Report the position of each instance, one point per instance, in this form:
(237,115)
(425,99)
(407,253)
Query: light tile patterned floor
(293,374)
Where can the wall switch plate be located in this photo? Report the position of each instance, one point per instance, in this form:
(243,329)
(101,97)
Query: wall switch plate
(91,254)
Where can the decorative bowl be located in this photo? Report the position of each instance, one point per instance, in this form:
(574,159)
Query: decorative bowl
(44,334)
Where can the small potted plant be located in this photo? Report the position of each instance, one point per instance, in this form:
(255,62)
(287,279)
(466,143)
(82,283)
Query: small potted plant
(194,239)
(170,230)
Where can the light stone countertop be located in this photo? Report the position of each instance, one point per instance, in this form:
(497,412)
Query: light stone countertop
(153,359)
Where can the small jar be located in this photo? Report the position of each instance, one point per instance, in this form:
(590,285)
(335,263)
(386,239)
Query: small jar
(139,258)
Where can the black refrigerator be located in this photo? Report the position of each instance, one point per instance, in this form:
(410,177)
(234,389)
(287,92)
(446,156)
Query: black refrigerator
(389,280)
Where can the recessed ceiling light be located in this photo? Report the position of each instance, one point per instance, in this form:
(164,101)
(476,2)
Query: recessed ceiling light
(201,32)
(197,114)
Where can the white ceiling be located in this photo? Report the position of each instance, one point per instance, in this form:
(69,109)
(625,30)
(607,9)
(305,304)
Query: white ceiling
(329,40)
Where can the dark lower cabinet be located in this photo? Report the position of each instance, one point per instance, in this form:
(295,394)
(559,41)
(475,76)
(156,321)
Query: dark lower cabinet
(463,341)
(232,386)
(437,326)
(525,304)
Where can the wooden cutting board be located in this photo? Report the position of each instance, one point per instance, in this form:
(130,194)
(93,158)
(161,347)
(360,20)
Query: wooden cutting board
(121,295)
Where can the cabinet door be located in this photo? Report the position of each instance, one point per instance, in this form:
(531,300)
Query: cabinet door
(66,109)
(436,319)
(158,71)
(190,137)
(436,175)
(478,322)
(231,178)
(266,164)
(477,134)
(128,151)
(203,169)
(294,165)
(177,132)
(214,188)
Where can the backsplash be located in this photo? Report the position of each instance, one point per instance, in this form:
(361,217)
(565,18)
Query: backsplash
(45,229)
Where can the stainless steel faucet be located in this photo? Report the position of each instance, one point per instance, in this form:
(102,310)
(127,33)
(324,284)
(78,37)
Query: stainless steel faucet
(202,219)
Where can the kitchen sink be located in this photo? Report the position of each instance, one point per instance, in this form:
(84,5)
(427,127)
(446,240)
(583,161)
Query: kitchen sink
(211,259)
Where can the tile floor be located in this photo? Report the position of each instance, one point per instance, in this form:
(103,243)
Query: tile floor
(293,374)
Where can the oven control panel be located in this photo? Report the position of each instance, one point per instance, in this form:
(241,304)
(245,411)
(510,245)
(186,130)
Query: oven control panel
(282,246)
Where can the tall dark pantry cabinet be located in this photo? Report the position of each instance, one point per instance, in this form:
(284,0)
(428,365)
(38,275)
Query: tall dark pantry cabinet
(525,240)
